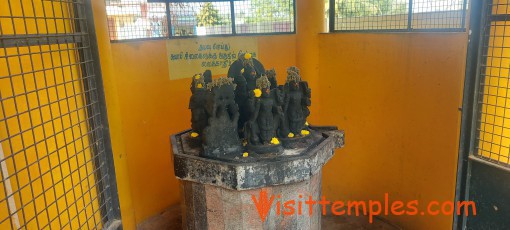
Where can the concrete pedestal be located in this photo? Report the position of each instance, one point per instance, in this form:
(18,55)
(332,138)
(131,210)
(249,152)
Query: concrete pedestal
(217,194)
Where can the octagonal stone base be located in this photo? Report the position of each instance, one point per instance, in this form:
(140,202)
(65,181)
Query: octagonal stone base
(221,193)
(212,207)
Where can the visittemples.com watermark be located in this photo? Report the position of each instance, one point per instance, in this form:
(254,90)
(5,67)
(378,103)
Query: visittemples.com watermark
(371,208)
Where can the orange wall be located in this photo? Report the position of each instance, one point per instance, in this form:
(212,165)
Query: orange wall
(153,107)
(397,96)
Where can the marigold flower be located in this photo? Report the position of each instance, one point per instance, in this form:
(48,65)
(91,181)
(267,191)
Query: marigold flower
(194,134)
(291,135)
(305,132)
(306,123)
(257,92)
(199,86)
(275,141)
(247,55)
(245,154)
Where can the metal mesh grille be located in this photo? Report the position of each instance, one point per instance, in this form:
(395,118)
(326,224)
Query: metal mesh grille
(264,16)
(493,136)
(398,15)
(135,19)
(200,18)
(53,173)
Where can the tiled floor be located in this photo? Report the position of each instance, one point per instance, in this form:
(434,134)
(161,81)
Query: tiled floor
(171,219)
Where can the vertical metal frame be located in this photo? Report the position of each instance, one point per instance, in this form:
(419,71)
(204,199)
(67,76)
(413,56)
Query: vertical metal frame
(469,106)
(112,207)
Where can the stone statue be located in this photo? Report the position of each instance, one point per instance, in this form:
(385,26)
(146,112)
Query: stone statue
(271,75)
(297,100)
(197,106)
(245,71)
(207,76)
(220,137)
(261,128)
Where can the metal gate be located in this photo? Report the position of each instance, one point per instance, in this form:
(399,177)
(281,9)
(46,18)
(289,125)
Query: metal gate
(484,163)
(55,155)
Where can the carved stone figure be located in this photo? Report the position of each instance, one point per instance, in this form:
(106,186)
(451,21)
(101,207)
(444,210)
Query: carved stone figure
(220,137)
(197,105)
(297,100)
(260,129)
(245,71)
(271,75)
(207,76)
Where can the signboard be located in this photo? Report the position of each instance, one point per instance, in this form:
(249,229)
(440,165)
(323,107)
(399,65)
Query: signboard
(187,57)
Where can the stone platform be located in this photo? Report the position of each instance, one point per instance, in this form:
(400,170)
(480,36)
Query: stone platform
(221,193)
(171,219)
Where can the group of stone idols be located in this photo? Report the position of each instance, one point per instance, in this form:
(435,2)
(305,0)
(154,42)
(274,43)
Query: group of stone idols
(247,111)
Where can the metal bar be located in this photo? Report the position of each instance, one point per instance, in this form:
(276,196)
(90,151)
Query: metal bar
(464,6)
(488,162)
(111,183)
(168,22)
(410,16)
(233,17)
(9,41)
(332,13)
(467,110)
(294,15)
(8,190)
(499,17)
(402,30)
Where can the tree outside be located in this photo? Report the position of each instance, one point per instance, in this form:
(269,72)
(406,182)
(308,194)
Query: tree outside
(270,11)
(357,8)
(209,16)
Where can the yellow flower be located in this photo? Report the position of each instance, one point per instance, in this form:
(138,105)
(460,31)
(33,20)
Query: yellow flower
(194,134)
(257,92)
(306,123)
(245,154)
(275,141)
(247,55)
(197,76)
(305,132)
(199,86)
(242,70)
(291,135)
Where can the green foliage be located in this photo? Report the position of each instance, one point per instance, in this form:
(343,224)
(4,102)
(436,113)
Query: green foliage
(270,11)
(208,15)
(359,8)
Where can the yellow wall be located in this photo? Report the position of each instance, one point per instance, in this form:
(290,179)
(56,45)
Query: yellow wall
(397,96)
(153,107)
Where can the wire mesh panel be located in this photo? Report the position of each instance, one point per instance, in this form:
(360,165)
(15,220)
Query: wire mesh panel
(200,18)
(264,16)
(52,152)
(135,19)
(146,19)
(493,99)
(397,15)
(439,14)
(371,14)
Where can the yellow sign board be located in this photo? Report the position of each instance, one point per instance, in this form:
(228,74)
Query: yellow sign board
(187,57)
